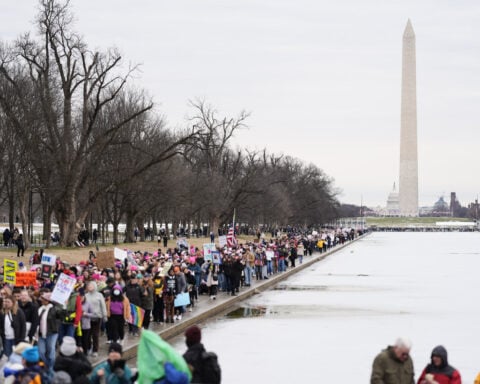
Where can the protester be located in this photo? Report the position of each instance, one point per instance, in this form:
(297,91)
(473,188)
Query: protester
(118,312)
(12,324)
(97,301)
(439,371)
(114,370)
(204,366)
(394,365)
(47,330)
(73,362)
(30,310)
(34,371)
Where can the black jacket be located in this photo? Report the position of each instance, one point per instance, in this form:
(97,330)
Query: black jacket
(18,324)
(77,366)
(30,310)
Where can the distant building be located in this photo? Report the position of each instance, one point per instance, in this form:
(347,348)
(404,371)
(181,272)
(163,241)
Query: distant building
(393,203)
(441,208)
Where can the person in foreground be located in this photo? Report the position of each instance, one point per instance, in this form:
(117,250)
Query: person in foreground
(203,365)
(394,364)
(114,370)
(439,371)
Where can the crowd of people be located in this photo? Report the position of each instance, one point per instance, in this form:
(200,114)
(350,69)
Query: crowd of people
(100,301)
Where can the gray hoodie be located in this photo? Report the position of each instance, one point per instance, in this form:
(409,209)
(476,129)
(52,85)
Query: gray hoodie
(97,301)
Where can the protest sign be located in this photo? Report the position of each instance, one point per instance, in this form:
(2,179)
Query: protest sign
(25,279)
(166,268)
(9,268)
(46,271)
(182,299)
(48,259)
(207,251)
(120,254)
(105,259)
(222,241)
(269,255)
(216,259)
(63,288)
(182,242)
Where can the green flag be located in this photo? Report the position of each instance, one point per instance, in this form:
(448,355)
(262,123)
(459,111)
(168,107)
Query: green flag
(153,353)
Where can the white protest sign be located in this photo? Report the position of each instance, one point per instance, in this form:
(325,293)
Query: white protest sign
(207,251)
(222,241)
(63,288)
(48,259)
(269,255)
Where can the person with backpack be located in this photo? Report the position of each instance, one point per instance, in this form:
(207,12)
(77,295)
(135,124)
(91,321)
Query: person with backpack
(203,365)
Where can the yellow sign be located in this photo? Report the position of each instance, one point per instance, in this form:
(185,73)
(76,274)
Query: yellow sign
(9,269)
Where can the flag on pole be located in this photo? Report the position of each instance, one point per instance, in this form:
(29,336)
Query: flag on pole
(231,238)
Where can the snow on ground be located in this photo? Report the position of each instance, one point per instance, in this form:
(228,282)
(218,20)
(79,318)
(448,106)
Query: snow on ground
(329,322)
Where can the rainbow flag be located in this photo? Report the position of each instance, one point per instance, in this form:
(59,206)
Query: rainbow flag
(136,315)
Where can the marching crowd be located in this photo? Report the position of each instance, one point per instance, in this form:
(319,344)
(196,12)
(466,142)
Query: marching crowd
(39,334)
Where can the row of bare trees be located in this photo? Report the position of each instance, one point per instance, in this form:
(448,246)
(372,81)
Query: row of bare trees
(75,130)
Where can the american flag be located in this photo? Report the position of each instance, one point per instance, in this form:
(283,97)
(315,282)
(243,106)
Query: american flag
(231,239)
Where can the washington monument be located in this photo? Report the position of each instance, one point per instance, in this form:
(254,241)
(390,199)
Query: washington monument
(408,186)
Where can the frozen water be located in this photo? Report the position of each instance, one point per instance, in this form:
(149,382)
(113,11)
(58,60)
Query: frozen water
(327,324)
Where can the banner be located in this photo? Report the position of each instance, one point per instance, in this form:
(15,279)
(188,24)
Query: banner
(136,315)
(182,299)
(63,288)
(25,279)
(9,268)
(105,259)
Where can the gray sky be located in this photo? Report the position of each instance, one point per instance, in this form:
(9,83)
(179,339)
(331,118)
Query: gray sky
(320,78)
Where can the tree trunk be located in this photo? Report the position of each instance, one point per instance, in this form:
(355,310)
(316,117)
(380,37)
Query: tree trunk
(214,224)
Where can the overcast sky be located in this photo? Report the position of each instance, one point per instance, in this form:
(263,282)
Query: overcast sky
(320,78)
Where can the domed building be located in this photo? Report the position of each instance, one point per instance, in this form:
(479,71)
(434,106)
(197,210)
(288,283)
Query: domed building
(393,203)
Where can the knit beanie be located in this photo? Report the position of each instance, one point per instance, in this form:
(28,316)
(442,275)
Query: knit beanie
(31,355)
(68,347)
(193,335)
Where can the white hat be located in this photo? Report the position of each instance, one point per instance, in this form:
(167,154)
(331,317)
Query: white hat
(68,347)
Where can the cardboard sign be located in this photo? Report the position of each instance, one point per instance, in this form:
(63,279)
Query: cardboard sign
(25,279)
(9,269)
(63,288)
(105,259)
(270,255)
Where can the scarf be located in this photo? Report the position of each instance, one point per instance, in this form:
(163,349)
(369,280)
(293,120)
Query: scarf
(43,314)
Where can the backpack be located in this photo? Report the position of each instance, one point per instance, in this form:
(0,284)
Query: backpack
(211,371)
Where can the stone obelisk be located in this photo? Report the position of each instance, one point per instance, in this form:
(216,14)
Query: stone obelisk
(408,186)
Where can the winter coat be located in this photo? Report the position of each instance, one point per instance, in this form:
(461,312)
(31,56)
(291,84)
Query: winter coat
(443,374)
(388,369)
(77,366)
(18,324)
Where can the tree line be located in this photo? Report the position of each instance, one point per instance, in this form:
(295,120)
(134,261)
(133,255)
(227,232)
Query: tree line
(82,144)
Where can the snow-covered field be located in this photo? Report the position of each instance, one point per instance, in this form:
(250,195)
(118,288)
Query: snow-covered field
(329,322)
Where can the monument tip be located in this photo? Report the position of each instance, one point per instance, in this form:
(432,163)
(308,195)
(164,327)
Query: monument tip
(409,32)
